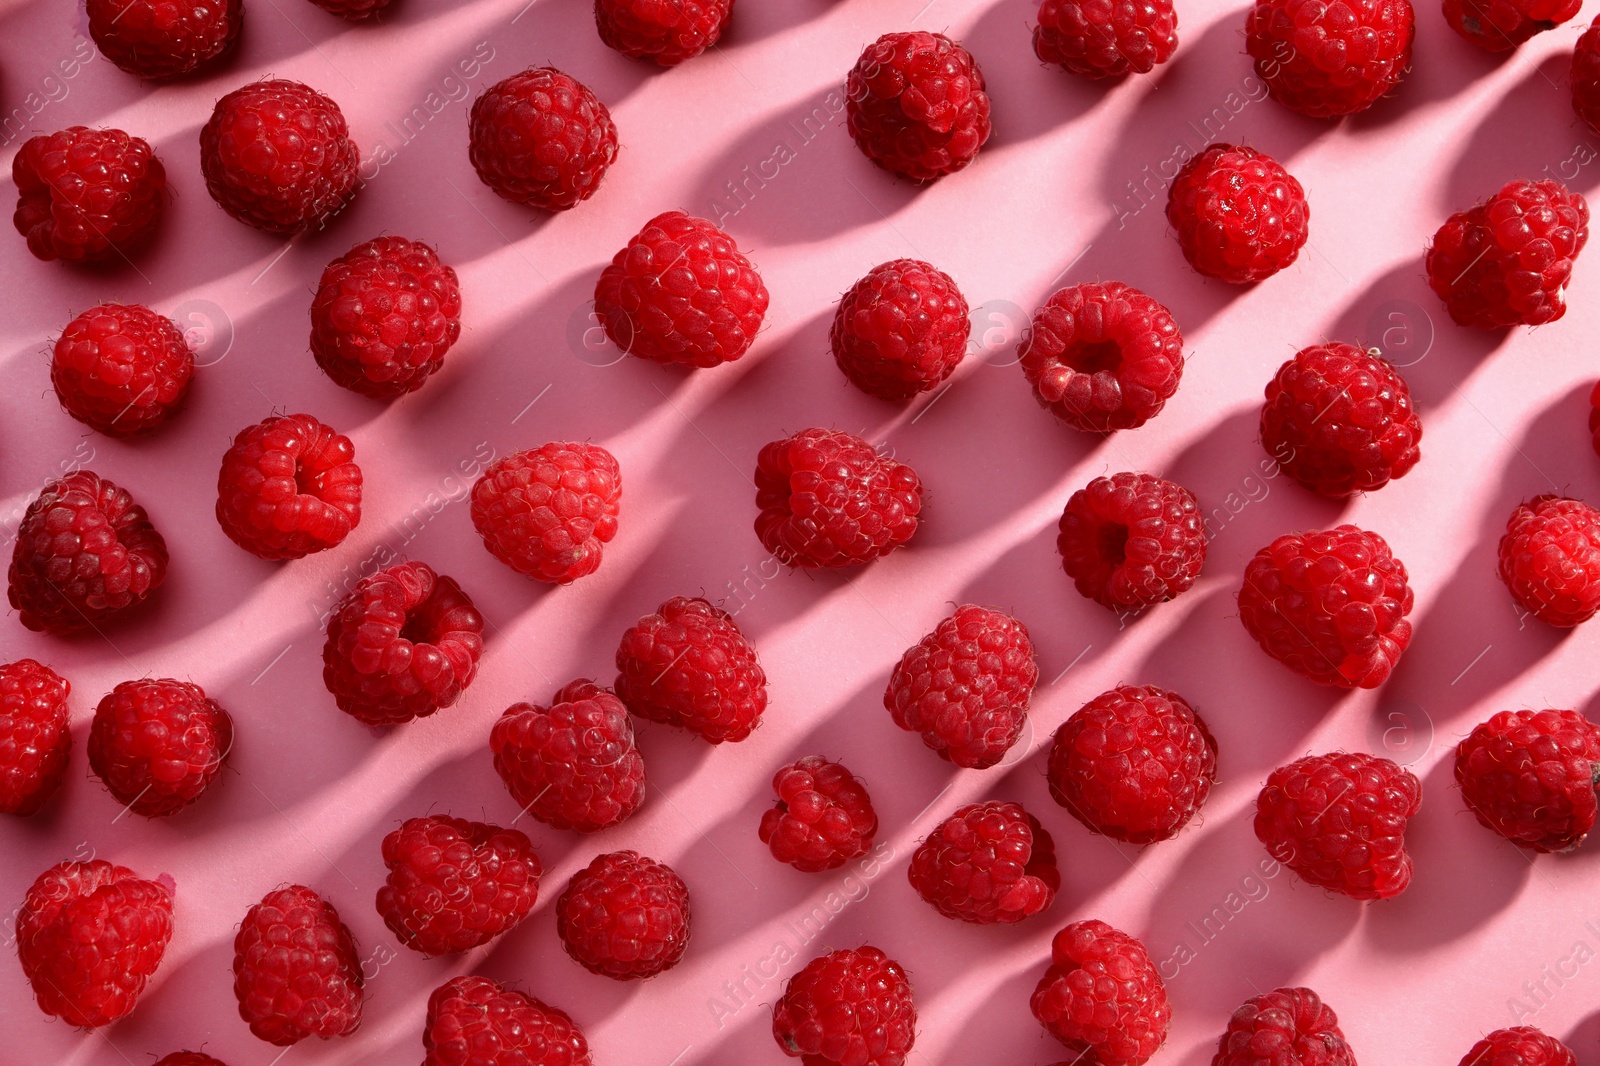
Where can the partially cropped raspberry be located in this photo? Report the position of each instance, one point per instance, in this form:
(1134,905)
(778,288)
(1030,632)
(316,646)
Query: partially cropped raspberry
(1327,60)
(987,863)
(916,105)
(1550,559)
(1105,39)
(1339,821)
(164,38)
(454,885)
(823,817)
(1594,417)
(404,644)
(1530,776)
(549,512)
(1132,540)
(1508,260)
(665,33)
(89,936)
(828,499)
(1501,25)
(625,916)
(157,744)
(87,196)
(1286,1025)
(121,369)
(1102,997)
(85,552)
(1585,76)
(900,330)
(1521,1046)
(688,665)
(1330,605)
(473,1021)
(851,1007)
(35,735)
(354,10)
(680,293)
(574,764)
(542,138)
(189,1058)
(1240,216)
(295,969)
(289,486)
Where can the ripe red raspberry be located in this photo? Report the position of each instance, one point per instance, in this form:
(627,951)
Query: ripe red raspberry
(473,1021)
(966,686)
(549,512)
(404,644)
(1102,996)
(1286,1024)
(1339,821)
(1098,39)
(157,744)
(1594,417)
(354,10)
(1550,559)
(1240,216)
(900,330)
(572,765)
(688,665)
(1102,357)
(189,1058)
(987,863)
(915,103)
(665,33)
(87,196)
(121,369)
(89,936)
(277,155)
(1507,261)
(828,499)
(164,38)
(454,885)
(542,138)
(1330,605)
(1585,76)
(624,916)
(823,817)
(1522,1046)
(850,1007)
(295,969)
(35,735)
(1329,60)
(85,552)
(289,486)
(1132,540)
(1501,25)
(1530,776)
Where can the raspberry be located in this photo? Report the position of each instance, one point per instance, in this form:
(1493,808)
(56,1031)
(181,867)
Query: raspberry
(624,916)
(385,315)
(277,155)
(823,817)
(354,10)
(1507,261)
(1585,76)
(121,369)
(572,765)
(1522,1046)
(542,138)
(87,196)
(828,499)
(1102,997)
(158,744)
(1501,25)
(164,38)
(1530,776)
(1594,417)
(900,330)
(1240,216)
(1327,60)
(295,969)
(665,33)
(1132,540)
(850,1007)
(1284,1025)
(289,486)
(915,103)
(1330,605)
(680,293)
(404,644)
(473,1021)
(1134,763)
(35,735)
(688,665)
(1339,821)
(1105,40)
(1550,559)
(85,552)
(189,1058)
(966,686)
(89,936)
(455,885)
(1102,357)
(987,863)
(548,512)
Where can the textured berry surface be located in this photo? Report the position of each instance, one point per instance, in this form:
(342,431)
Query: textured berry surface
(665,33)
(1550,559)
(121,369)
(1584,76)
(1530,776)
(851,1007)
(1132,540)
(289,486)
(987,863)
(828,499)
(900,330)
(1105,39)
(916,105)
(1240,216)
(189,1058)
(295,969)
(157,744)
(542,138)
(164,38)
(625,916)
(1521,1046)
(87,196)
(454,885)
(473,1021)
(1501,25)
(1286,1025)
(354,10)
(548,512)
(823,817)
(1330,59)
(35,735)
(1102,996)
(688,665)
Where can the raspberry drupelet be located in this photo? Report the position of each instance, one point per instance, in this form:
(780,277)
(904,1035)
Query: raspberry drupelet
(313,989)
(1130,541)
(455,885)
(1550,559)
(987,863)
(666,34)
(823,817)
(1240,217)
(625,916)
(121,369)
(916,106)
(159,39)
(1327,60)
(850,1007)
(288,487)
(1520,1046)
(1501,25)
(158,743)
(1097,39)
(688,665)
(1530,776)
(829,499)
(548,512)
(473,1021)
(1268,1026)
(1102,996)
(88,196)
(901,330)
(35,735)
(542,138)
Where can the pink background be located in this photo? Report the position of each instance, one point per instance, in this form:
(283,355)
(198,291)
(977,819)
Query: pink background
(310,792)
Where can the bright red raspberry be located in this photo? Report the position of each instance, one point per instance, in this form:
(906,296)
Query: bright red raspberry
(455,885)
(1132,540)
(828,499)
(404,644)
(1134,763)
(295,969)
(354,10)
(190,1058)
(1522,1046)
(164,38)
(1507,261)
(574,764)
(987,863)
(1099,39)
(823,817)
(277,155)
(1530,776)
(87,196)
(35,735)
(680,293)
(900,330)
(850,1007)
(1284,1025)
(549,512)
(1102,996)
(1327,60)
(916,105)
(542,138)
(85,552)
(665,33)
(1240,216)
(1550,559)
(157,744)
(688,665)
(1501,25)
(625,916)
(89,936)
(121,369)
(473,1021)
(1585,76)
(1102,357)
(1330,605)
(289,486)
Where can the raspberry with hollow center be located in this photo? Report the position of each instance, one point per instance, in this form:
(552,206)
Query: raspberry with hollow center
(35,735)
(666,34)
(901,330)
(916,106)
(548,512)
(1129,541)
(1239,215)
(295,969)
(688,665)
(1520,1046)
(1501,25)
(1550,559)
(454,885)
(542,138)
(1326,60)
(625,916)
(987,863)
(1530,776)
(157,744)
(823,817)
(1102,996)
(850,1007)
(121,369)
(288,487)
(159,39)
(1285,1021)
(473,1021)
(87,196)
(1098,39)
(828,499)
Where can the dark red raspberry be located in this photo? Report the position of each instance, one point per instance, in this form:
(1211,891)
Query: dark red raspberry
(1550,559)
(900,330)
(680,293)
(1507,261)
(987,863)
(828,499)
(1102,357)
(189,1058)
(572,765)
(1501,25)
(87,196)
(35,735)
(1585,76)
(455,885)
(966,686)
(688,665)
(823,817)
(542,138)
(473,1021)
(1134,763)
(385,314)
(85,552)
(1240,216)
(916,105)
(89,936)
(157,744)
(277,155)
(1522,1046)
(850,1007)
(1102,996)
(625,916)
(1132,540)
(1530,776)
(1327,60)
(548,512)
(121,369)
(164,38)
(354,10)
(1286,1025)
(1330,605)
(404,644)
(1103,39)
(665,33)
(289,486)
(295,969)
(1339,821)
